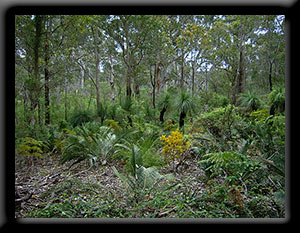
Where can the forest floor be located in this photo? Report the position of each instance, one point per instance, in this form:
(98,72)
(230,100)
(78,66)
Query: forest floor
(48,189)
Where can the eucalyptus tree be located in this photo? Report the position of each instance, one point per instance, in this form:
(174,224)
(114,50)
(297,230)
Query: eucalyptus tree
(231,46)
(271,48)
(27,52)
(131,33)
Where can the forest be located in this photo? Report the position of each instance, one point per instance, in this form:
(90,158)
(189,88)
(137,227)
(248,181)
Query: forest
(150,116)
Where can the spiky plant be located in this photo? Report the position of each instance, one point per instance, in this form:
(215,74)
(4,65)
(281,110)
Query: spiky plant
(250,101)
(126,105)
(85,144)
(277,100)
(164,104)
(185,104)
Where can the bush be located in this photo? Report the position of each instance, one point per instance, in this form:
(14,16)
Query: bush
(277,100)
(233,166)
(250,101)
(219,121)
(88,145)
(30,147)
(78,117)
(174,145)
(263,207)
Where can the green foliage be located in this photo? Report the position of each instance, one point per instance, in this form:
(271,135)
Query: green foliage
(185,102)
(260,114)
(62,124)
(263,207)
(277,99)
(234,166)
(78,117)
(88,145)
(144,181)
(142,152)
(213,99)
(250,101)
(30,147)
(112,124)
(102,112)
(219,122)
(149,113)
(164,100)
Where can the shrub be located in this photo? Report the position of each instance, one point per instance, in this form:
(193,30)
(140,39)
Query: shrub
(79,117)
(233,166)
(219,121)
(174,145)
(112,124)
(277,100)
(30,147)
(263,207)
(250,101)
(88,145)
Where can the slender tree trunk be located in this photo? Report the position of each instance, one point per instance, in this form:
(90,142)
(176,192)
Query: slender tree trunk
(240,81)
(193,78)
(157,70)
(182,72)
(128,82)
(270,76)
(47,99)
(47,75)
(97,71)
(136,86)
(34,89)
(66,102)
(111,82)
(153,86)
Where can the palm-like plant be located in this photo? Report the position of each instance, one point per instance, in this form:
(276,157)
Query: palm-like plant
(126,105)
(88,145)
(135,152)
(250,101)
(185,104)
(277,100)
(164,103)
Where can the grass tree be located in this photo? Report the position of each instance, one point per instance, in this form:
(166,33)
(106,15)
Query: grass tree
(164,105)
(126,105)
(250,101)
(185,104)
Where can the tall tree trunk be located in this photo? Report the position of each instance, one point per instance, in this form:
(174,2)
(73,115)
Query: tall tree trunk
(97,71)
(182,72)
(35,89)
(47,99)
(47,75)
(157,70)
(193,78)
(270,76)
(111,82)
(136,86)
(66,102)
(153,86)
(128,82)
(240,81)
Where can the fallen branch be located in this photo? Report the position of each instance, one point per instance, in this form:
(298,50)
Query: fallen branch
(166,212)
(19,200)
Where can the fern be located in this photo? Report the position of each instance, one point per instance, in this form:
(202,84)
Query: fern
(30,147)
(230,164)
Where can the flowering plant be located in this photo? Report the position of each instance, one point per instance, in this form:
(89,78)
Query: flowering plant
(174,146)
